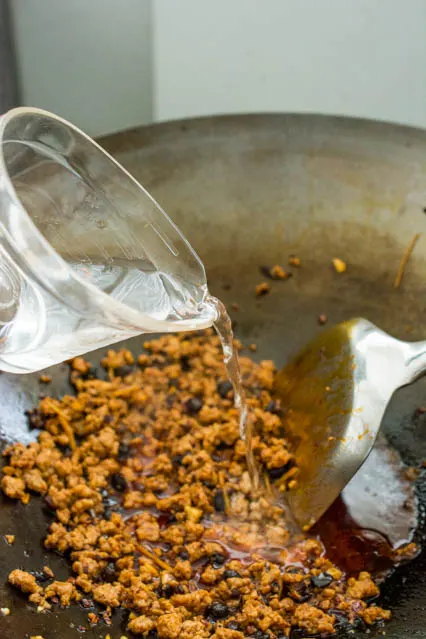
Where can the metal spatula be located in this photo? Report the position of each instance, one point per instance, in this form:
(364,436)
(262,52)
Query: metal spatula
(336,391)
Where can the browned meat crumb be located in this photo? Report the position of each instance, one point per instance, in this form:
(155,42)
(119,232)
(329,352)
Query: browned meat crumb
(313,620)
(169,625)
(141,625)
(108,594)
(24,581)
(322,319)
(363,587)
(278,273)
(262,289)
(275,272)
(14,488)
(93,618)
(34,481)
(408,551)
(374,613)
(294,261)
(45,379)
(65,591)
(145,475)
(116,359)
(80,365)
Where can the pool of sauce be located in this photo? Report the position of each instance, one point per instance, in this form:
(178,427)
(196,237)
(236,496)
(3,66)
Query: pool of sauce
(375,515)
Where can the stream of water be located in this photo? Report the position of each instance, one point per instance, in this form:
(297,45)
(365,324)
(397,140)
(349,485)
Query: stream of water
(223,327)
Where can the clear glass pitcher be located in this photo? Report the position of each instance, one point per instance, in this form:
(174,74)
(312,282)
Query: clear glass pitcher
(87,257)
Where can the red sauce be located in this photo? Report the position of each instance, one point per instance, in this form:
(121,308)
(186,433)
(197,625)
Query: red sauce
(375,515)
(351,547)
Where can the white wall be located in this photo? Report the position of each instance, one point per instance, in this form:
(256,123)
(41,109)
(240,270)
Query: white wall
(87,60)
(114,64)
(355,57)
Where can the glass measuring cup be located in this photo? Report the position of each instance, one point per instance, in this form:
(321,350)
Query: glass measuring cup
(87,257)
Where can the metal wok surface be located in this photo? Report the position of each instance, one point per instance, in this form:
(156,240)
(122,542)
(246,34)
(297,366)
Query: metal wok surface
(248,191)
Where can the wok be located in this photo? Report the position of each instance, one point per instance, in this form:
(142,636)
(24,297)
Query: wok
(248,191)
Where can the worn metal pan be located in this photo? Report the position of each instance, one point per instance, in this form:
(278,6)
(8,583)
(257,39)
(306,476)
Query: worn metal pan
(249,191)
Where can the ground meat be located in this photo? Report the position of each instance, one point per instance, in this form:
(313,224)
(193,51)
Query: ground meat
(14,488)
(108,594)
(141,625)
(262,289)
(169,625)
(293,260)
(278,273)
(80,365)
(373,613)
(24,581)
(64,590)
(275,272)
(34,481)
(227,633)
(145,476)
(148,528)
(313,620)
(363,587)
